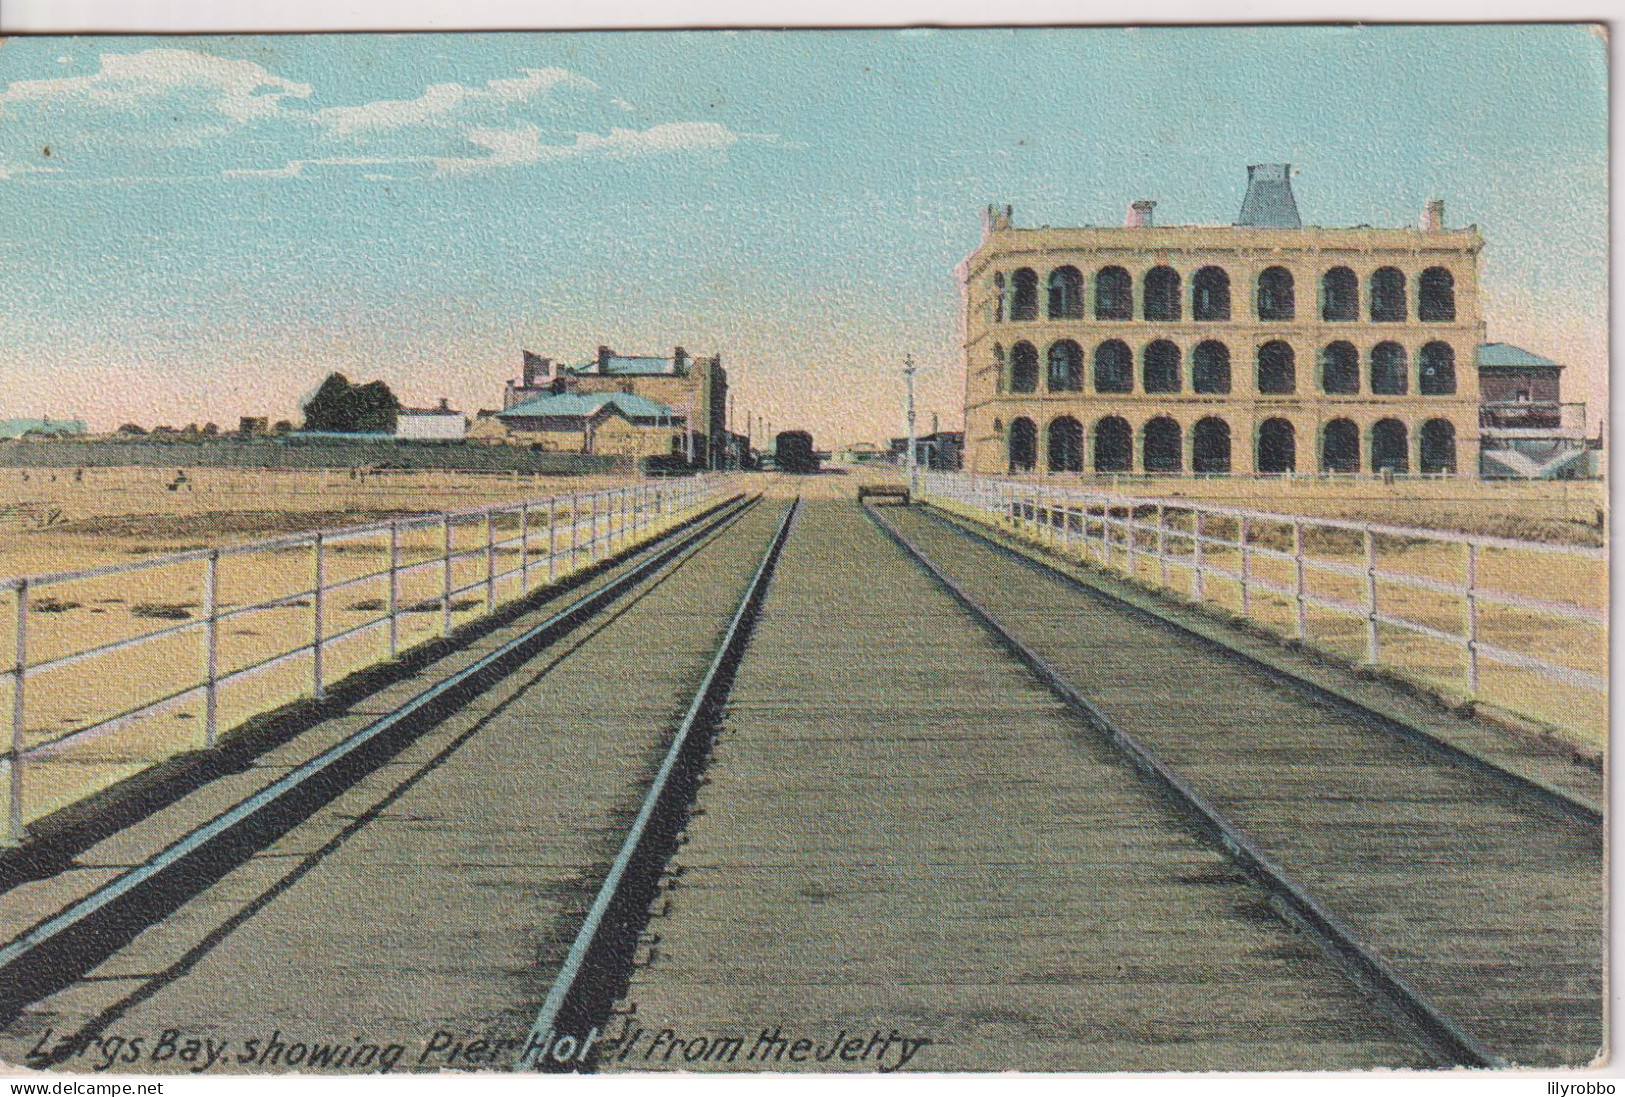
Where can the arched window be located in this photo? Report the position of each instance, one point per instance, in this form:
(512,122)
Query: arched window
(1340,447)
(1339,369)
(1023,445)
(1114,294)
(1339,295)
(1277,447)
(1389,370)
(1436,370)
(1161,290)
(1024,295)
(998,368)
(1065,367)
(1388,295)
(1276,299)
(1210,367)
(1114,445)
(1390,446)
(1160,367)
(1276,372)
(1023,367)
(1210,446)
(1065,445)
(998,298)
(1065,294)
(1162,444)
(1210,294)
(1436,296)
(1114,367)
(1438,446)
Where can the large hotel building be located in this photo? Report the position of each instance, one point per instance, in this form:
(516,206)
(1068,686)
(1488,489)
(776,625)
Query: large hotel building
(1258,347)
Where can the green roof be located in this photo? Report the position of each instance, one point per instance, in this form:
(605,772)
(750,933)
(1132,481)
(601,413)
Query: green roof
(582,404)
(1505,354)
(16,428)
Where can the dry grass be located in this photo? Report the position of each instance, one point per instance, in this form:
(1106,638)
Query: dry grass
(1574,713)
(1561,511)
(137,517)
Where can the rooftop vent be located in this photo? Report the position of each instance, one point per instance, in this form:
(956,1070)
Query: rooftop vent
(1269,203)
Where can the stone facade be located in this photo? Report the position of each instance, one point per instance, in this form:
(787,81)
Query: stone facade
(1221,349)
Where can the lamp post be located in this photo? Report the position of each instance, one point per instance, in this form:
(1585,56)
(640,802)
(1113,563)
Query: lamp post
(913,463)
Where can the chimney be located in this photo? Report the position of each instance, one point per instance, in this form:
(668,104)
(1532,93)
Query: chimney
(604,355)
(679,357)
(1141,213)
(1433,215)
(1269,203)
(445,404)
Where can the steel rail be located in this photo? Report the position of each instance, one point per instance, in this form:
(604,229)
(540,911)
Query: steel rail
(24,957)
(1443,1037)
(1530,786)
(711,692)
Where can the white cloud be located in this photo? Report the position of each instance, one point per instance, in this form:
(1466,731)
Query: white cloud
(240,90)
(191,110)
(525,146)
(10,171)
(446,104)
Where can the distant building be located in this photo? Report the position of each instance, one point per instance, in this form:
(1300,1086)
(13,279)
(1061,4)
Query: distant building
(615,423)
(1526,430)
(41,428)
(1263,346)
(696,389)
(437,424)
(939,451)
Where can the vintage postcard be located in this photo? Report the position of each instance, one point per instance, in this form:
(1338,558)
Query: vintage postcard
(841,551)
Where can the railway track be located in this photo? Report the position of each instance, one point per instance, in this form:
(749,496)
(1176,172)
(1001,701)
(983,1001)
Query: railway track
(411,874)
(924,863)
(1479,893)
(806,789)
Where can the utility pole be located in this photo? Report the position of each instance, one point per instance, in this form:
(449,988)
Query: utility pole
(913,463)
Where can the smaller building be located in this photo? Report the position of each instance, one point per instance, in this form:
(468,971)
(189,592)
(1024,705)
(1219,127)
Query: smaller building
(1526,429)
(41,428)
(604,423)
(438,424)
(939,451)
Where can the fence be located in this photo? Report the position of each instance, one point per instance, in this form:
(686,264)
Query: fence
(1384,595)
(96,694)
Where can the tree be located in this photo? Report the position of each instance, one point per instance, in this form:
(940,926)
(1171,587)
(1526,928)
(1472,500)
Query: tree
(131,429)
(340,406)
(210,430)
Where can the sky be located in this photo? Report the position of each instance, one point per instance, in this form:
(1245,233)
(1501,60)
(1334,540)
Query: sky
(201,228)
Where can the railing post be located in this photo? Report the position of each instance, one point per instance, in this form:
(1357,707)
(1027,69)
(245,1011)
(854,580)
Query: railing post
(1162,544)
(15,831)
(1371,651)
(211,649)
(524,549)
(592,535)
(490,562)
(552,539)
(445,576)
(1128,533)
(1198,589)
(318,688)
(1472,621)
(1298,592)
(394,587)
(575,528)
(1246,577)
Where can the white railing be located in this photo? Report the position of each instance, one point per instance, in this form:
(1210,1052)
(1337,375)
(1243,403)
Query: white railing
(1170,542)
(577,530)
